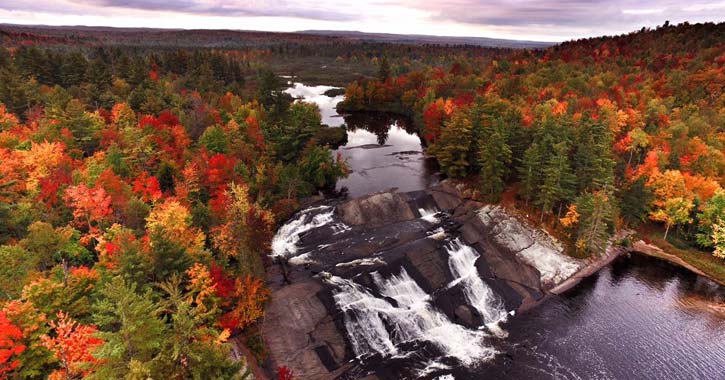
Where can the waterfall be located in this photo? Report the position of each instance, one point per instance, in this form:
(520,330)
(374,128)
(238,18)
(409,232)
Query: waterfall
(284,243)
(363,318)
(462,262)
(428,215)
(413,319)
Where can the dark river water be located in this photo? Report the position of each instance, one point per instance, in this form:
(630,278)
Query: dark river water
(639,318)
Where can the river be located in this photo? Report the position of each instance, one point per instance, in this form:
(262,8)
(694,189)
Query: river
(382,150)
(638,318)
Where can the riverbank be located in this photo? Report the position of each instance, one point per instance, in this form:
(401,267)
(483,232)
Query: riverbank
(649,249)
(612,253)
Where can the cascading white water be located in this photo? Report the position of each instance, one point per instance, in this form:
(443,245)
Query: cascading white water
(363,318)
(445,377)
(462,263)
(284,243)
(428,215)
(413,319)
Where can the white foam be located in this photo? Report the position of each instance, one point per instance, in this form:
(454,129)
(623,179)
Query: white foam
(431,367)
(462,262)
(284,243)
(413,319)
(445,377)
(438,234)
(428,215)
(365,261)
(363,321)
(340,227)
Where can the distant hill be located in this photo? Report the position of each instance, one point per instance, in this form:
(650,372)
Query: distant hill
(11,34)
(428,39)
(18,35)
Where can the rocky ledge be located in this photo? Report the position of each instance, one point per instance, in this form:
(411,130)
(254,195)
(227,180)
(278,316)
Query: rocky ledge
(389,234)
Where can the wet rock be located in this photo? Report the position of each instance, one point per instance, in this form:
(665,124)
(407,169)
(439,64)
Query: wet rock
(465,315)
(445,200)
(376,209)
(430,264)
(382,235)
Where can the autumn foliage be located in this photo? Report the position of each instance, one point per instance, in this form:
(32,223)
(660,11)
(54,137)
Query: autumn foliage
(10,346)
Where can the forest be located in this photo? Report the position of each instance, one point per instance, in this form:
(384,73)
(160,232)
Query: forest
(590,136)
(141,186)
(140,193)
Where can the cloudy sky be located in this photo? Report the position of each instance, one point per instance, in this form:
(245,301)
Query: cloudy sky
(546,20)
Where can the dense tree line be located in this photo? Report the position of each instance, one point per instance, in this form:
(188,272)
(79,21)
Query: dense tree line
(594,134)
(139,195)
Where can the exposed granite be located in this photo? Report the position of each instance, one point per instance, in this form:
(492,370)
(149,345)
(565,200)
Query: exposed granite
(386,233)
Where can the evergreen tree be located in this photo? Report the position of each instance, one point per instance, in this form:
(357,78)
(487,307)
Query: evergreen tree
(384,69)
(530,172)
(494,158)
(593,163)
(73,69)
(558,179)
(17,93)
(193,348)
(302,123)
(595,221)
(634,202)
(133,329)
(453,148)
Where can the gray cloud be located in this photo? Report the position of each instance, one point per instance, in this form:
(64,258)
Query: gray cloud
(571,13)
(550,19)
(227,8)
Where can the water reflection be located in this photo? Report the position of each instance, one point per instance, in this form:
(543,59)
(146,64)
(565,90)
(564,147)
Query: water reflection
(383,151)
(316,94)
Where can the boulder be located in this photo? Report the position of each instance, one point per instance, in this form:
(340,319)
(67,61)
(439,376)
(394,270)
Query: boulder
(465,315)
(376,210)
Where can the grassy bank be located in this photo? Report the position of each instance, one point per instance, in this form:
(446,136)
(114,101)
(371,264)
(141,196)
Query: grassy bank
(704,261)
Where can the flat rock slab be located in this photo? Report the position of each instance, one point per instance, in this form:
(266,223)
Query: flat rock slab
(300,333)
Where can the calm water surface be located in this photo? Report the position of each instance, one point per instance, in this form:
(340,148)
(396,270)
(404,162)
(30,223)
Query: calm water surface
(639,318)
(382,150)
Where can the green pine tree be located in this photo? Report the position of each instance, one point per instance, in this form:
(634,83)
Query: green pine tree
(558,179)
(595,221)
(193,348)
(133,329)
(494,158)
(593,162)
(454,146)
(530,172)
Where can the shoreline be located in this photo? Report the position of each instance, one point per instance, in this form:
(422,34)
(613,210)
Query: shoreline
(652,250)
(593,267)
(613,252)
